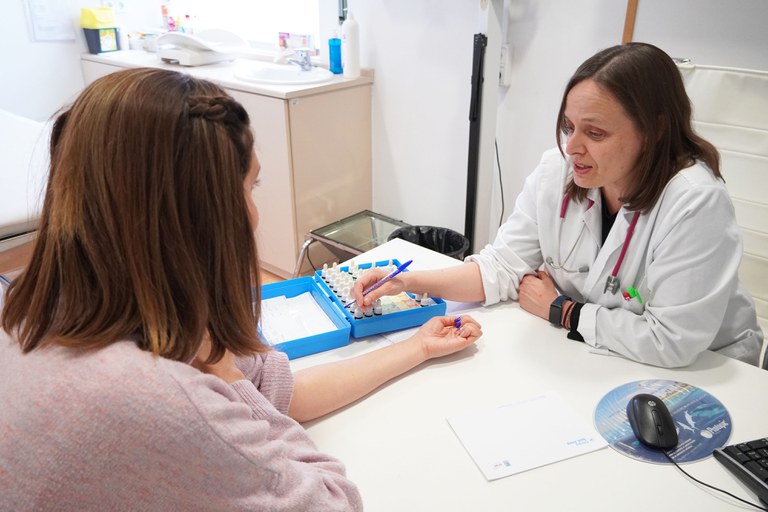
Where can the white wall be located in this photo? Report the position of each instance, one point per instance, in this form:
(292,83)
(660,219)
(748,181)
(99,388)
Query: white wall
(37,77)
(552,37)
(421,53)
(549,39)
(40,77)
(717,32)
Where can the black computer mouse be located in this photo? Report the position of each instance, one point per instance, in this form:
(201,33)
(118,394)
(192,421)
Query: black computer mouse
(651,421)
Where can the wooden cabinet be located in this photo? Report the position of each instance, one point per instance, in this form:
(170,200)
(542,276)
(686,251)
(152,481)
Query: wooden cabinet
(314,146)
(315,155)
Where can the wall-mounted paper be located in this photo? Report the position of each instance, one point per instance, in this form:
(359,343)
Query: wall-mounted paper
(50,20)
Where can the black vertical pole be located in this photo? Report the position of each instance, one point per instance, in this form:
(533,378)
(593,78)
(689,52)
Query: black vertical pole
(475,104)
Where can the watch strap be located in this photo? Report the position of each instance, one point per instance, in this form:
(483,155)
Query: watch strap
(556,309)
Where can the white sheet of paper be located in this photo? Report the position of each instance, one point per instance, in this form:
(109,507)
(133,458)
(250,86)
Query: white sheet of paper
(523,435)
(286,319)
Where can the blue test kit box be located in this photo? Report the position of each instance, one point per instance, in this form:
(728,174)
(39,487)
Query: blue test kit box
(327,288)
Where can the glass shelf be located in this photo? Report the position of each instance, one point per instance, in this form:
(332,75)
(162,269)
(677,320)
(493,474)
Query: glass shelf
(359,232)
(354,234)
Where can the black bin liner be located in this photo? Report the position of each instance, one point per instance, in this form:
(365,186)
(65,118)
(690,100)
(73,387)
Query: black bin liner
(443,240)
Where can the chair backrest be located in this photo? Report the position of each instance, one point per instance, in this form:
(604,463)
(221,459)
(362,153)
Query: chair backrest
(730,109)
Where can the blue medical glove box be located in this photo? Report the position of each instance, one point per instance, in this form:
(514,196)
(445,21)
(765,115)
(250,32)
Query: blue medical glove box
(342,317)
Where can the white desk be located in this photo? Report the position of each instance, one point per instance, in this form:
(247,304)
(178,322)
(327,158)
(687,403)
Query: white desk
(400,450)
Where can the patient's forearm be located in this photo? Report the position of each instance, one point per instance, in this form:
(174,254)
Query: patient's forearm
(324,388)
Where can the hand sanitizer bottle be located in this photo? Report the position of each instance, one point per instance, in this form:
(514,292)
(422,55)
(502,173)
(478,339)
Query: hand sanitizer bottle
(334,54)
(350,47)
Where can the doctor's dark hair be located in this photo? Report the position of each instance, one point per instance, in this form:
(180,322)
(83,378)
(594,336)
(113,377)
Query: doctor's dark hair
(145,233)
(649,87)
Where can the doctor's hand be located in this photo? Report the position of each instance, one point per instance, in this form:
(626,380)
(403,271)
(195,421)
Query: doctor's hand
(440,336)
(394,286)
(536,293)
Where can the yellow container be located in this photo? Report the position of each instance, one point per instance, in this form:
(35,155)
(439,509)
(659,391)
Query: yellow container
(97,17)
(101,34)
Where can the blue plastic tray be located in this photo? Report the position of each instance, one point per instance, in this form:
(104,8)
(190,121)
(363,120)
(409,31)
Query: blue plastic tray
(344,318)
(319,342)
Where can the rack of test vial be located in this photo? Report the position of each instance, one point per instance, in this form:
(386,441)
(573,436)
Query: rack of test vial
(388,313)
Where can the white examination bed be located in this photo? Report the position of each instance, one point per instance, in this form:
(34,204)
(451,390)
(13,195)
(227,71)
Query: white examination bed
(23,172)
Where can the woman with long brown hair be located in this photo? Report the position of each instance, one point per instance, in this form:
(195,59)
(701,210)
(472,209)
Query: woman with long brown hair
(133,376)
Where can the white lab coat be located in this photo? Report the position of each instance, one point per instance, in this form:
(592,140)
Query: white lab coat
(683,259)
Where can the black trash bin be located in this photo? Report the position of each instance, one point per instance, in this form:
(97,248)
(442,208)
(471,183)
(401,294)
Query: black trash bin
(443,240)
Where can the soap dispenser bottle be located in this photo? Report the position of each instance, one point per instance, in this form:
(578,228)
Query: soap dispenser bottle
(350,47)
(334,53)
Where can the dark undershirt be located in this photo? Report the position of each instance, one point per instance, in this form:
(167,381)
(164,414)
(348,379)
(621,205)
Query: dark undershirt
(608,220)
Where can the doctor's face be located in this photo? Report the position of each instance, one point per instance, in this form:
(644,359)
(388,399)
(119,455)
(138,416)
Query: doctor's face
(603,142)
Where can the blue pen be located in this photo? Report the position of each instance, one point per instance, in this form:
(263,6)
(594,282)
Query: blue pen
(386,278)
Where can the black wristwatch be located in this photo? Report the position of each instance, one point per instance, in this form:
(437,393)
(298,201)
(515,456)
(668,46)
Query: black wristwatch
(556,310)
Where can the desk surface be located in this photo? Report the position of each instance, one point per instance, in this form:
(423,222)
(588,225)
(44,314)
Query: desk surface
(402,453)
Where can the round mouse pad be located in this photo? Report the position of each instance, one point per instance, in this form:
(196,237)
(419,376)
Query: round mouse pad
(702,421)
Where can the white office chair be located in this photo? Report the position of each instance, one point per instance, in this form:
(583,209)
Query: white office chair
(730,109)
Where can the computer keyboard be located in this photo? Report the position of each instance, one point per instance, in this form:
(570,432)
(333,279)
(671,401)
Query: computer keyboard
(749,463)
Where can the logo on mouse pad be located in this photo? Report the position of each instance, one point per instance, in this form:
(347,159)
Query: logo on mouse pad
(701,420)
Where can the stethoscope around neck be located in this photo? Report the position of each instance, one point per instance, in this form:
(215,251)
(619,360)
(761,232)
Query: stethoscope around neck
(612,281)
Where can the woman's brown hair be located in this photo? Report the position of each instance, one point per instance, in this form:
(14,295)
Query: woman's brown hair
(145,233)
(648,85)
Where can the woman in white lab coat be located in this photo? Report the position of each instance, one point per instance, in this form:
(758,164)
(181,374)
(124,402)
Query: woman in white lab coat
(625,234)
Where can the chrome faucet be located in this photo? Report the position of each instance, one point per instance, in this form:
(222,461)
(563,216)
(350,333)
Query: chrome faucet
(304,61)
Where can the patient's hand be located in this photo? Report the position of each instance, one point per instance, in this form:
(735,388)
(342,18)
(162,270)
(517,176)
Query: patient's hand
(439,336)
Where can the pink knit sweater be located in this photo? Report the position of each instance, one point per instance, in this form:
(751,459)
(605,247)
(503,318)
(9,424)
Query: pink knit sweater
(119,429)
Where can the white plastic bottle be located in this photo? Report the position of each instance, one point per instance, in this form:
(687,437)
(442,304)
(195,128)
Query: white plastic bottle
(350,47)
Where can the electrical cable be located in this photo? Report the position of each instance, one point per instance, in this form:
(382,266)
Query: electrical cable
(314,268)
(501,182)
(758,507)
